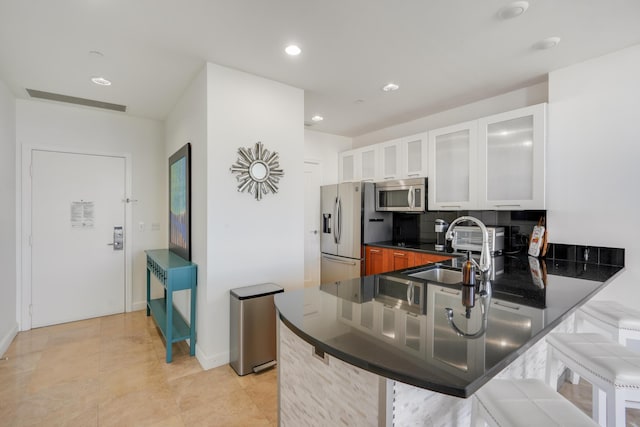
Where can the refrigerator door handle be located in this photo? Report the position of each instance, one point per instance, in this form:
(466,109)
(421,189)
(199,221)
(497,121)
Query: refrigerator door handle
(339,221)
(339,261)
(336,221)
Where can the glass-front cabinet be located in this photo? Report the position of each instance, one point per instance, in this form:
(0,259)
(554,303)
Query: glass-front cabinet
(390,156)
(368,159)
(452,167)
(511,159)
(405,157)
(347,165)
(359,164)
(414,155)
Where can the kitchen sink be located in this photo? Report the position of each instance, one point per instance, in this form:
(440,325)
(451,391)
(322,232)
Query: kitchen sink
(439,274)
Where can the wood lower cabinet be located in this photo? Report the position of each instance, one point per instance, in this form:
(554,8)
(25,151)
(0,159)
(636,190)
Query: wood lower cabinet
(381,260)
(422,259)
(401,259)
(374,260)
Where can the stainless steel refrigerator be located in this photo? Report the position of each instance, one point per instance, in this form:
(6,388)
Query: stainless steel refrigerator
(349,220)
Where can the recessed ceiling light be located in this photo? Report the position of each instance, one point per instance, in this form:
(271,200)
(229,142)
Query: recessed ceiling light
(548,43)
(101,81)
(317,118)
(293,50)
(390,87)
(513,9)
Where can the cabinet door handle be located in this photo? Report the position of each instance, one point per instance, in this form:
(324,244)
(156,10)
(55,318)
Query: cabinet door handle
(513,307)
(451,206)
(411,175)
(398,254)
(374,251)
(449,291)
(507,206)
(389,177)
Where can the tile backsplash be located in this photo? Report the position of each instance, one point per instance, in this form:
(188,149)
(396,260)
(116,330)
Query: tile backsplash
(420,227)
(586,254)
(518,227)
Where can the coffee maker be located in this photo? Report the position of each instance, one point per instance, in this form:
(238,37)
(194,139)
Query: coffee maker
(441,229)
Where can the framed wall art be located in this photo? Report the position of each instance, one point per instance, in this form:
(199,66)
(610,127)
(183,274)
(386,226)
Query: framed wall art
(180,202)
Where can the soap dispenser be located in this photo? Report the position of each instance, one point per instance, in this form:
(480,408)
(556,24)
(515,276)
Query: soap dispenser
(468,286)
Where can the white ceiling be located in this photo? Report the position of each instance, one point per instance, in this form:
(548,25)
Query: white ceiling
(442,53)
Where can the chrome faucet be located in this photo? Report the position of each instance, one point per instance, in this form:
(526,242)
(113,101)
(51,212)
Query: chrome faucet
(485,284)
(485,256)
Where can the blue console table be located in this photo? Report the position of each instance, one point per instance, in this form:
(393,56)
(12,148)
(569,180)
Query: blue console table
(175,274)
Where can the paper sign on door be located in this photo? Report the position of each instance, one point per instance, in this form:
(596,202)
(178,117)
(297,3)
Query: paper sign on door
(82,214)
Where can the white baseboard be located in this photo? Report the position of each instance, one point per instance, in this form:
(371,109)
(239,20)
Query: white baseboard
(209,362)
(6,340)
(139,305)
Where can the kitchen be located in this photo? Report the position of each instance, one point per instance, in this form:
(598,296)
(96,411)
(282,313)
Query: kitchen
(589,169)
(359,221)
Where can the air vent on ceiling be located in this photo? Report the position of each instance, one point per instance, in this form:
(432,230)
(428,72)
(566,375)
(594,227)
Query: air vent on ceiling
(74,100)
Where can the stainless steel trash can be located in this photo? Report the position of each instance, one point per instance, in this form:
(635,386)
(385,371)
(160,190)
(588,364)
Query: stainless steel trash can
(252,336)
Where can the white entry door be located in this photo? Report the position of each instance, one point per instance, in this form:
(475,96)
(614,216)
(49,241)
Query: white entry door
(77,206)
(312,180)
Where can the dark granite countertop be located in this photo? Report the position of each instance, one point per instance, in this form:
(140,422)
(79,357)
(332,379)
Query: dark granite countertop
(413,246)
(360,322)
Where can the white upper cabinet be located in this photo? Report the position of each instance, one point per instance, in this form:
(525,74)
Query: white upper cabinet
(494,163)
(347,166)
(368,163)
(390,159)
(511,153)
(396,159)
(453,167)
(359,164)
(414,156)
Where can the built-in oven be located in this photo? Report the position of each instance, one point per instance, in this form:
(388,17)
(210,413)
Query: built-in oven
(402,195)
(401,293)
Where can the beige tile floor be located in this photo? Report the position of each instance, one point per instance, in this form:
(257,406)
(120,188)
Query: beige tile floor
(110,371)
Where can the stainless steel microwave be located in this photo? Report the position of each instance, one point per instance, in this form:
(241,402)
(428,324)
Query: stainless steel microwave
(402,195)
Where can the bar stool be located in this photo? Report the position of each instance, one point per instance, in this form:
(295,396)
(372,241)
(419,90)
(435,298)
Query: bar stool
(612,369)
(529,402)
(621,322)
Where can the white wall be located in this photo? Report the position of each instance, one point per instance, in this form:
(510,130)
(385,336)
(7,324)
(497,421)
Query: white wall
(187,122)
(53,125)
(249,241)
(324,148)
(593,156)
(8,322)
(531,95)
(239,241)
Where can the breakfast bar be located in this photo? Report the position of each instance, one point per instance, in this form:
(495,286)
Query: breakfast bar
(381,349)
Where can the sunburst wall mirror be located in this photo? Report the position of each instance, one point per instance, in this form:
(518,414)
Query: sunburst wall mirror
(258,170)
